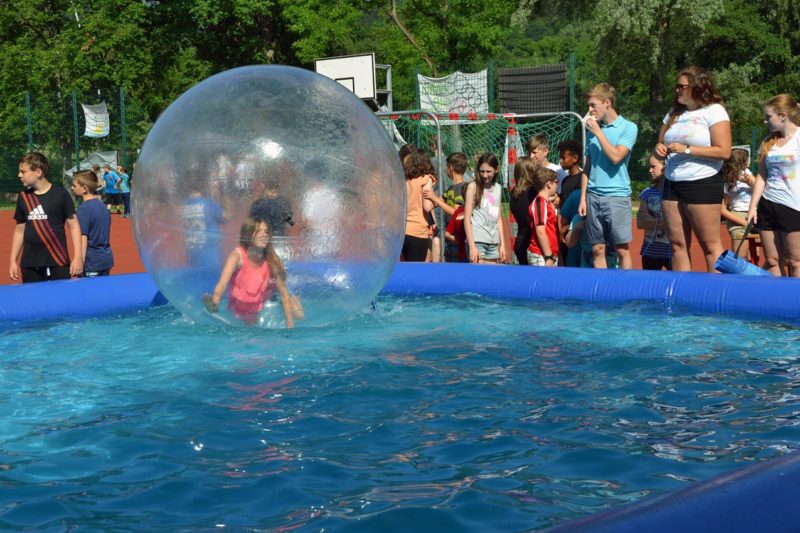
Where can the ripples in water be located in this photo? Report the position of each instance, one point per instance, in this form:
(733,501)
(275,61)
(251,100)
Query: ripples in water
(458,413)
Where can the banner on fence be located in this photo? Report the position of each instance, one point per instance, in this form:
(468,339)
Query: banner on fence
(460,92)
(97,123)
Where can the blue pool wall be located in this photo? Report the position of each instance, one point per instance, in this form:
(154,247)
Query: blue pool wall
(761,497)
(749,297)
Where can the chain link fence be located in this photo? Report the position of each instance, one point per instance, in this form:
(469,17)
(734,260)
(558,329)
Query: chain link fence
(55,125)
(478,134)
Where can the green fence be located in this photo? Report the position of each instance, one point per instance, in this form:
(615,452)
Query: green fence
(487,133)
(55,126)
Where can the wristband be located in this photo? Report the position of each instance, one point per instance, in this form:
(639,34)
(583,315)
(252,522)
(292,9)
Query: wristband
(550,257)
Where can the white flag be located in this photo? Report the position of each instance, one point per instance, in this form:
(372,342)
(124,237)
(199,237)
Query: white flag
(97,123)
(460,92)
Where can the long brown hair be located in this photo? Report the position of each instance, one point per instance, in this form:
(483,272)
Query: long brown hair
(704,91)
(733,167)
(491,160)
(418,163)
(782,104)
(246,232)
(523,175)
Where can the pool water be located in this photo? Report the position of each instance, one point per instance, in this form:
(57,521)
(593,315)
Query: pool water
(448,414)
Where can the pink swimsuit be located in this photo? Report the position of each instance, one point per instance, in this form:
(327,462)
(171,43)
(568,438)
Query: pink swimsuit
(249,289)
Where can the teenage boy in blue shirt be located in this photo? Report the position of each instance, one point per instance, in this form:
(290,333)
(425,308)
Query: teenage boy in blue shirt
(606,190)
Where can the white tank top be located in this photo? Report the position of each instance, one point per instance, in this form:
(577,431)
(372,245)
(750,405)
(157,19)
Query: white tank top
(783,173)
(485,217)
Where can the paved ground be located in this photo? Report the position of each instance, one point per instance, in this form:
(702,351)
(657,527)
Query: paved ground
(126,255)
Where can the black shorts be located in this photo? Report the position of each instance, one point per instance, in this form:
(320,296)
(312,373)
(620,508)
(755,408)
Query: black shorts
(656,263)
(34,274)
(415,249)
(777,217)
(703,191)
(114,198)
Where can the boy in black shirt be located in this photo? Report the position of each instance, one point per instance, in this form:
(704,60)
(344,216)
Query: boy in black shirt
(570,158)
(42,210)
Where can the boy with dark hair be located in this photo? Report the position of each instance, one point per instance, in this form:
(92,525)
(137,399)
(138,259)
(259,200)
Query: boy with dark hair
(570,156)
(42,210)
(95,223)
(570,159)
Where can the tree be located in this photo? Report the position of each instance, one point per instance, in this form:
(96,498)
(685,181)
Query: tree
(642,42)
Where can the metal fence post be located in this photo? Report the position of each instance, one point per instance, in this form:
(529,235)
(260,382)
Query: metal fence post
(29,119)
(572,81)
(122,124)
(490,82)
(76,135)
(416,85)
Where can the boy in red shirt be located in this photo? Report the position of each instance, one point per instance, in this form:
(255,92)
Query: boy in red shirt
(543,250)
(454,232)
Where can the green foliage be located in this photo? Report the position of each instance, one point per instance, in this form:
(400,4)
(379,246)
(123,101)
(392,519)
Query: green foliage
(157,49)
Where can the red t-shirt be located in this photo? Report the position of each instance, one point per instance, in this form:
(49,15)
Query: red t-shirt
(542,213)
(456,228)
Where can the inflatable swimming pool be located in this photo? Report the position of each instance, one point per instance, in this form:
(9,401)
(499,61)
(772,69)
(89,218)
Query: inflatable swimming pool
(759,497)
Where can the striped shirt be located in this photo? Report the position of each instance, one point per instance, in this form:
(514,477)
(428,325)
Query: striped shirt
(656,241)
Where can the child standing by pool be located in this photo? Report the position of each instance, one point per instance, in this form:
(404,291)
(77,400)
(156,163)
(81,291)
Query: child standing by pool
(42,210)
(485,235)
(419,174)
(113,196)
(95,223)
(254,271)
(521,197)
(454,233)
(775,205)
(125,190)
(739,183)
(543,250)
(656,249)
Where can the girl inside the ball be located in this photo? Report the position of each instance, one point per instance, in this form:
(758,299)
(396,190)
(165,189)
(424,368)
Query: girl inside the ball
(254,272)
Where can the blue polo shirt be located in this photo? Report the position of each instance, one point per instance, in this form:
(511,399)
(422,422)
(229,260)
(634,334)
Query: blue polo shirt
(606,178)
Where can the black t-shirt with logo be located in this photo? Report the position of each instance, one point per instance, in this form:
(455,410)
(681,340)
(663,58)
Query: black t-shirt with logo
(45,241)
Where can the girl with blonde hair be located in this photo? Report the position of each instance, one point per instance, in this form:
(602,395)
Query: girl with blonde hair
(775,204)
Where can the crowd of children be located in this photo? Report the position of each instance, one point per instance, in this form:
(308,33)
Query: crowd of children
(566,215)
(39,244)
(574,216)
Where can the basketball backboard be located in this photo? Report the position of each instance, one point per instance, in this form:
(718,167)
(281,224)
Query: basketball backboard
(356,72)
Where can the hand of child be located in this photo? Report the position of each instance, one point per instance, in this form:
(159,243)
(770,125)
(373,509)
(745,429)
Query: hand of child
(76,266)
(208,300)
(297,307)
(592,125)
